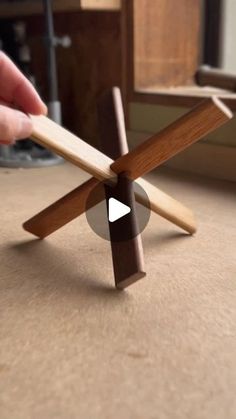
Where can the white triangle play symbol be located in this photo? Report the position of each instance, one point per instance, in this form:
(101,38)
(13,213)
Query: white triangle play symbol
(116,210)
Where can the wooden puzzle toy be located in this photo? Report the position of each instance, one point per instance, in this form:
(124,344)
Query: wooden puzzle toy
(118,165)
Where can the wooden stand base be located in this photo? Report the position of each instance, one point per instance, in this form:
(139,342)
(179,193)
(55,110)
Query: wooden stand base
(128,254)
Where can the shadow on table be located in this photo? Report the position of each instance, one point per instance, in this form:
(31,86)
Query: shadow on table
(50,266)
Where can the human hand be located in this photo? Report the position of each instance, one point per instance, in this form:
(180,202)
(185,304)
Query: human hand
(17,95)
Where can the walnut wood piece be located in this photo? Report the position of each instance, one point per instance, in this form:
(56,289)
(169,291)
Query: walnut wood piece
(188,129)
(208,76)
(127,255)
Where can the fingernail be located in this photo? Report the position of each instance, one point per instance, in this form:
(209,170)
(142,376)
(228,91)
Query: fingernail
(25,126)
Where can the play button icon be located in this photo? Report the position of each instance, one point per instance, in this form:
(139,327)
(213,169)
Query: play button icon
(117,210)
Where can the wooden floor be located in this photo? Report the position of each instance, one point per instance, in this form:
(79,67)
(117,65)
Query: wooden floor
(71,346)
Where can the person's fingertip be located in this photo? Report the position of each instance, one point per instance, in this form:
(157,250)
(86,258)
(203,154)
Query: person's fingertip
(39,109)
(42,106)
(25,127)
(7,143)
(44,109)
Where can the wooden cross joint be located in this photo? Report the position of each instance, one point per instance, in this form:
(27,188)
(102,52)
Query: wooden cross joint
(116,162)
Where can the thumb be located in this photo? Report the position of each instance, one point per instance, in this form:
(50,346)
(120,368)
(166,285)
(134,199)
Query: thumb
(14,125)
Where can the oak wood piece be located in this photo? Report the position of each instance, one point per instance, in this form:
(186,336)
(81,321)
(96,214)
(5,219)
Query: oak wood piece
(167,207)
(127,255)
(188,129)
(51,135)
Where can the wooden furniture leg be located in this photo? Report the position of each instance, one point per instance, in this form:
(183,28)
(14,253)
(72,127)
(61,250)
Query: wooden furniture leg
(127,255)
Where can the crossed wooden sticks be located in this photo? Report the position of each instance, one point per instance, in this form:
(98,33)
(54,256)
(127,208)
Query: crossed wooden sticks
(127,166)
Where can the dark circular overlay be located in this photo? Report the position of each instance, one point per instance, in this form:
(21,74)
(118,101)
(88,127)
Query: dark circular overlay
(128,193)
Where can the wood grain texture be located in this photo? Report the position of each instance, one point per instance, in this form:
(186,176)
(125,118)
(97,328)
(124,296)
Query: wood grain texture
(127,254)
(166,41)
(64,210)
(72,205)
(167,207)
(51,135)
(188,129)
(208,76)
(177,213)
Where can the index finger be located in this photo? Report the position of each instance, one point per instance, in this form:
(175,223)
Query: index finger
(15,88)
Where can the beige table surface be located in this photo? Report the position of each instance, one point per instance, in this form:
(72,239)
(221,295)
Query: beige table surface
(71,346)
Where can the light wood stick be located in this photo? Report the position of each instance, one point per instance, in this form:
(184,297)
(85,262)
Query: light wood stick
(191,127)
(51,135)
(127,252)
(188,129)
(73,204)
(167,207)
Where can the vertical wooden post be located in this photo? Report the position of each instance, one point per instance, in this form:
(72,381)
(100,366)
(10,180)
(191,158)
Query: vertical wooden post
(127,255)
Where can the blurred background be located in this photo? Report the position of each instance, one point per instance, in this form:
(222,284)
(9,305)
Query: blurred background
(73,50)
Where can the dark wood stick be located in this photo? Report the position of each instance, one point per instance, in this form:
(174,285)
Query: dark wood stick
(127,255)
(209,76)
